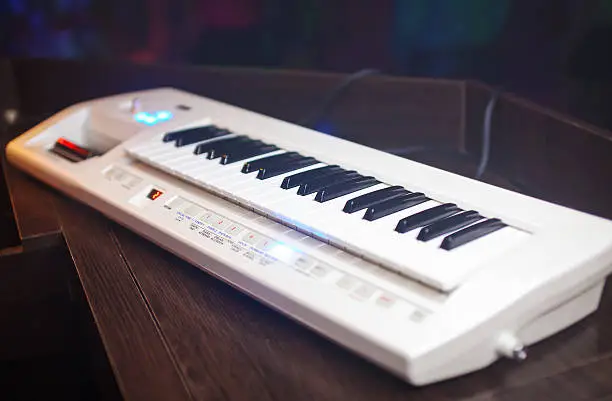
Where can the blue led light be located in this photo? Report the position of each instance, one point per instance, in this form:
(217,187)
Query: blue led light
(141,116)
(163,115)
(282,252)
(152,119)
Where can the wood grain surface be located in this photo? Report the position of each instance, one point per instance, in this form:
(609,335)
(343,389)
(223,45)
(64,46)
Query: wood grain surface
(136,348)
(172,332)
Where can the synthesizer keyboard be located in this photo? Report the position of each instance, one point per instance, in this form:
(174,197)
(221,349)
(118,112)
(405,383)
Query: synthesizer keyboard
(426,273)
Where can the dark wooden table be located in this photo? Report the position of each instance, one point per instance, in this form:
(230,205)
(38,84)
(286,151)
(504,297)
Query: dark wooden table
(163,330)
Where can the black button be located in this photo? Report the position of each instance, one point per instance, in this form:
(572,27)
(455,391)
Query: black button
(345,188)
(394,205)
(255,165)
(471,233)
(282,168)
(231,145)
(247,153)
(369,199)
(298,179)
(317,184)
(448,225)
(426,217)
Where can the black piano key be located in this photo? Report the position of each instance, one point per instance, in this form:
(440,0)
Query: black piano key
(231,145)
(345,188)
(471,233)
(247,153)
(448,225)
(369,199)
(281,168)
(196,135)
(426,217)
(206,147)
(298,179)
(317,184)
(234,148)
(394,205)
(206,132)
(255,165)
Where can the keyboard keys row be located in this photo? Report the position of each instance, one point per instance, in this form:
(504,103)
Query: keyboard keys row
(329,184)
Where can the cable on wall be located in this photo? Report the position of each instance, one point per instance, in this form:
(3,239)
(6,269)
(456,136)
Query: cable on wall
(321,111)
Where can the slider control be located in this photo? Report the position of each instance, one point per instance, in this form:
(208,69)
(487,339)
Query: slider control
(71,151)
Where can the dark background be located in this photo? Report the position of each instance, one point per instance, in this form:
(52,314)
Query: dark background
(556,52)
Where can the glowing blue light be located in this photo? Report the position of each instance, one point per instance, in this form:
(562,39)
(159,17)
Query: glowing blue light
(163,115)
(282,252)
(150,119)
(141,116)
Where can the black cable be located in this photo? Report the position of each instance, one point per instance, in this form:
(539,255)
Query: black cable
(486,141)
(319,113)
(486,135)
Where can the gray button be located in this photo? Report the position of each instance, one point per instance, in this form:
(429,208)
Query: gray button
(347,282)
(174,203)
(234,229)
(119,175)
(219,222)
(251,238)
(364,292)
(134,182)
(304,262)
(386,300)
(265,244)
(320,271)
(417,316)
(193,210)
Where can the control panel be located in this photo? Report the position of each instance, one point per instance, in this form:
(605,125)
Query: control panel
(259,249)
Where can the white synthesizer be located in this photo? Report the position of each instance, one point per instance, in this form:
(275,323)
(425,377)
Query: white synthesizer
(428,274)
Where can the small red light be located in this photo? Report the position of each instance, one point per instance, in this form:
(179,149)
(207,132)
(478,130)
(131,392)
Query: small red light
(75,148)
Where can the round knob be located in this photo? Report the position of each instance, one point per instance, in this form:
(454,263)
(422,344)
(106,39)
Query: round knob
(511,347)
(135,105)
